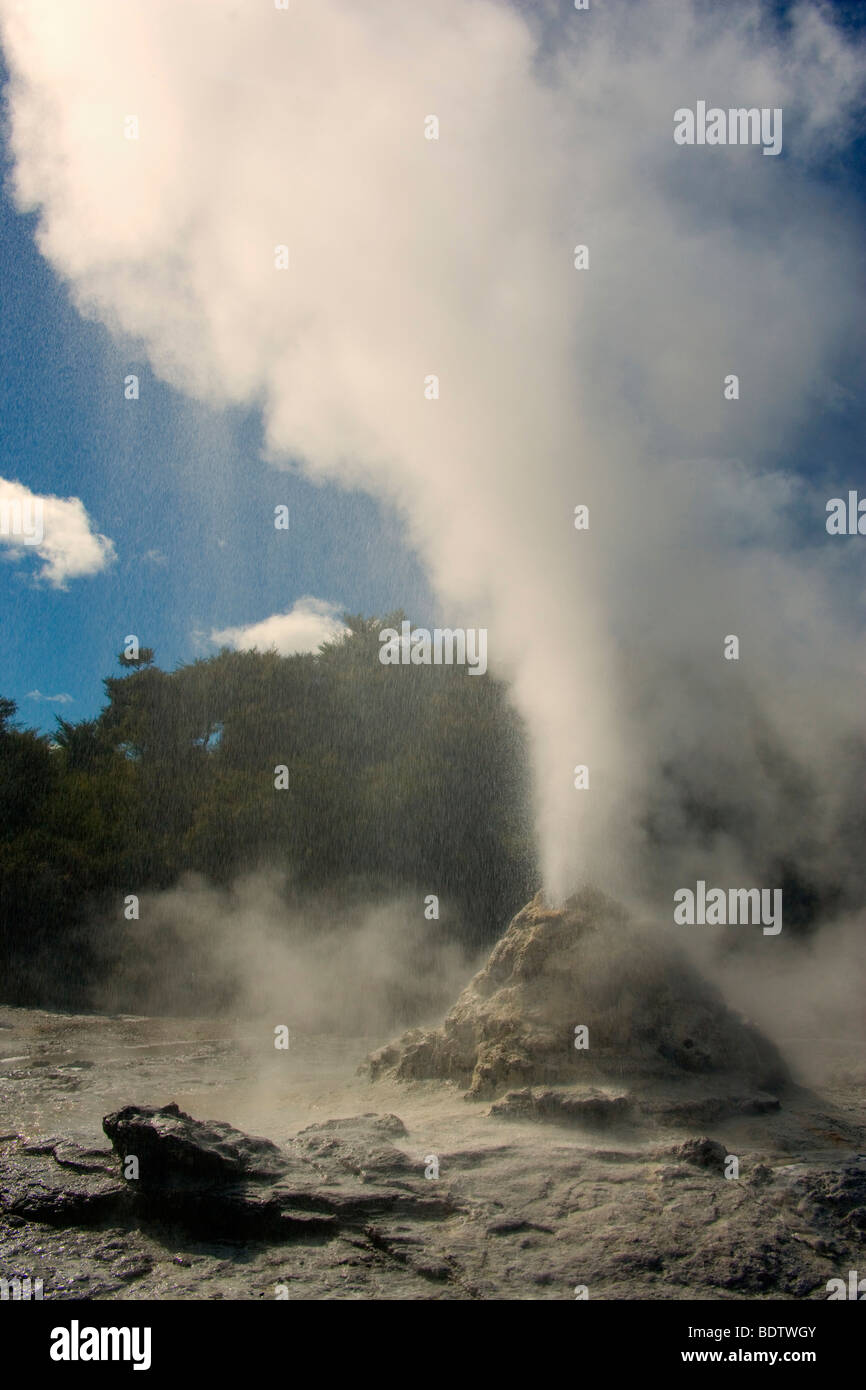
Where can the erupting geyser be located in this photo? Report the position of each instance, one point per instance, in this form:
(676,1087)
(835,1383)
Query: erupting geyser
(581,997)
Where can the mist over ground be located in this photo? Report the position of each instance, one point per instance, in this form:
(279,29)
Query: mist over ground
(326,968)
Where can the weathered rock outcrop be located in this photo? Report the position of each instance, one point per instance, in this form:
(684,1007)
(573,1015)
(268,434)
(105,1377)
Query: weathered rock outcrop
(169,1144)
(207,1176)
(60,1184)
(648,1220)
(650,1018)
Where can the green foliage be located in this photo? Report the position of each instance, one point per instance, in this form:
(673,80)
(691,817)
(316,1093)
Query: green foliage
(402,779)
(146,657)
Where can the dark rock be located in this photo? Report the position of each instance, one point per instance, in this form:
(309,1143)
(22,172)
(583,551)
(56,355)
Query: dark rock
(705,1109)
(134,1268)
(856,1220)
(761,1175)
(171,1145)
(703,1153)
(356,1145)
(83,1160)
(40,1146)
(517,1227)
(214,1180)
(833,1195)
(242,1211)
(566,1105)
(368,1123)
(33,1186)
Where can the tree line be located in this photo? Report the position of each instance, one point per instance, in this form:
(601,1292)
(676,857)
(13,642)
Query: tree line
(401,781)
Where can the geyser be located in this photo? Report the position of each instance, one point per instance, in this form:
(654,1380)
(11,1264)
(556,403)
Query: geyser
(403,257)
(581,996)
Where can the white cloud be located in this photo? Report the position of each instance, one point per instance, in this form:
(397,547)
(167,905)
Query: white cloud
(57,529)
(303,628)
(50,699)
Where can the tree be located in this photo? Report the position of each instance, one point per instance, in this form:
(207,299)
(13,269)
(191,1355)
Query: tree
(146,657)
(403,780)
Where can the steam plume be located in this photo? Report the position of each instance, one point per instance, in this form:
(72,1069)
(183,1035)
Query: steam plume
(410,257)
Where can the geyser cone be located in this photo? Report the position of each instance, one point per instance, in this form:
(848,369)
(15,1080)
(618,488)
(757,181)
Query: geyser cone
(649,1016)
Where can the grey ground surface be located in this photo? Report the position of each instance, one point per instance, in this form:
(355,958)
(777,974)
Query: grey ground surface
(530,1202)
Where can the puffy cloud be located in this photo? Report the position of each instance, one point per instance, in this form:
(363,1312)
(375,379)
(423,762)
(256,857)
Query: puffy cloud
(57,529)
(303,628)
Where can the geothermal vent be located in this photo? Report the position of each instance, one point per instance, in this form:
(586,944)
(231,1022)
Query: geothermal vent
(654,1027)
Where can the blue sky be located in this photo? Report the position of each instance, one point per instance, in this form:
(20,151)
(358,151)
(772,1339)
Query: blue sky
(182,493)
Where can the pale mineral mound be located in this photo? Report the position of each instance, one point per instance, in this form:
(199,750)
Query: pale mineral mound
(650,1017)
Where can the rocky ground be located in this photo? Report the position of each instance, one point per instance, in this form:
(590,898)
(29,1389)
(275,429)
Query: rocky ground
(548,1181)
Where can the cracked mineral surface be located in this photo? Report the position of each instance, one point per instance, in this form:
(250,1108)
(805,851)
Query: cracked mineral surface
(521,1209)
(485,1159)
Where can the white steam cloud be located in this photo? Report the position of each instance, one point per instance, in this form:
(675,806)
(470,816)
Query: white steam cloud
(242,950)
(410,257)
